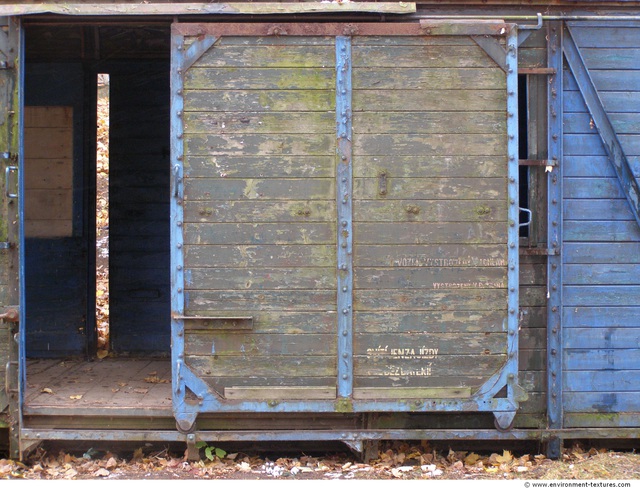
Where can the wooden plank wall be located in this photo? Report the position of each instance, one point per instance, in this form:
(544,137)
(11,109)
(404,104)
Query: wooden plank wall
(139,207)
(260,231)
(602,239)
(430,216)
(55,267)
(48,159)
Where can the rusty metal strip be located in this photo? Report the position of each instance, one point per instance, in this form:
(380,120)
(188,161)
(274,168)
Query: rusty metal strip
(331,29)
(237,8)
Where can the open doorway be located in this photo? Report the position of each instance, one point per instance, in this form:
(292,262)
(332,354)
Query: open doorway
(96,206)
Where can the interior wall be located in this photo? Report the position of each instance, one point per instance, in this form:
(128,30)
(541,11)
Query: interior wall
(56,264)
(139,208)
(62,64)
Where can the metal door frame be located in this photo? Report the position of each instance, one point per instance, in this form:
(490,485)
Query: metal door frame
(504,408)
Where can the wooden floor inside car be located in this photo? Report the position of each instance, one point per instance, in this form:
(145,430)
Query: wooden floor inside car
(130,384)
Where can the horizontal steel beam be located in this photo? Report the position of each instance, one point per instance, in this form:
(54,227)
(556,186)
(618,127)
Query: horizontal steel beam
(328,435)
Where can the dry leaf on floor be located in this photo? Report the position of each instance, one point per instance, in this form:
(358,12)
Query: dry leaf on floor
(47,390)
(75,397)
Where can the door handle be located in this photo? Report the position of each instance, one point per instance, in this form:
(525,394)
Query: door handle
(7,178)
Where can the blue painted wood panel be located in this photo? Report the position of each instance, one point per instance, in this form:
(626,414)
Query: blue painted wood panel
(601,252)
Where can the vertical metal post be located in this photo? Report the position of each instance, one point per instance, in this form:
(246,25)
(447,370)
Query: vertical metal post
(554,236)
(177,241)
(513,255)
(344,211)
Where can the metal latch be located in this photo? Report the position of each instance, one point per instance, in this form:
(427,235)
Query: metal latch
(11,315)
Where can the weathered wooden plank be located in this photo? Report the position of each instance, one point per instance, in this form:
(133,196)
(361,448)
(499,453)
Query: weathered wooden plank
(430,166)
(611,58)
(53,142)
(601,231)
(399,393)
(450,255)
(211,189)
(280,393)
(51,204)
(259,122)
(418,78)
(454,365)
(440,100)
(200,301)
(430,233)
(601,359)
(533,317)
(260,211)
(440,143)
(608,316)
(468,381)
(591,145)
(600,419)
(251,345)
(588,166)
(257,256)
(608,80)
(405,40)
(316,56)
(372,56)
(458,299)
(41,228)
(259,100)
(602,402)
(261,166)
(620,102)
(431,322)
(609,209)
(595,296)
(595,253)
(429,278)
(602,338)
(268,144)
(258,78)
(248,234)
(606,36)
(260,278)
(279,322)
(429,211)
(592,188)
(427,345)
(581,123)
(429,188)
(601,274)
(238,366)
(429,122)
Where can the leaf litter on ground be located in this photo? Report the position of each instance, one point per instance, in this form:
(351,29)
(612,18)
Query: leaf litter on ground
(401,461)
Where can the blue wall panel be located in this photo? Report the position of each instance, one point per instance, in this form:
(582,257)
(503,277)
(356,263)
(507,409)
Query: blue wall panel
(601,248)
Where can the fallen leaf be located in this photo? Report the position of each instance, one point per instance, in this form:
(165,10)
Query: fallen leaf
(471,459)
(47,390)
(101,473)
(111,463)
(75,397)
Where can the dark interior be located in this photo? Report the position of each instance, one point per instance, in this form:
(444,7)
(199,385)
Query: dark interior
(62,64)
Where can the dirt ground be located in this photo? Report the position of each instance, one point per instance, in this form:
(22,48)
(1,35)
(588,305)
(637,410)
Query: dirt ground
(401,461)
